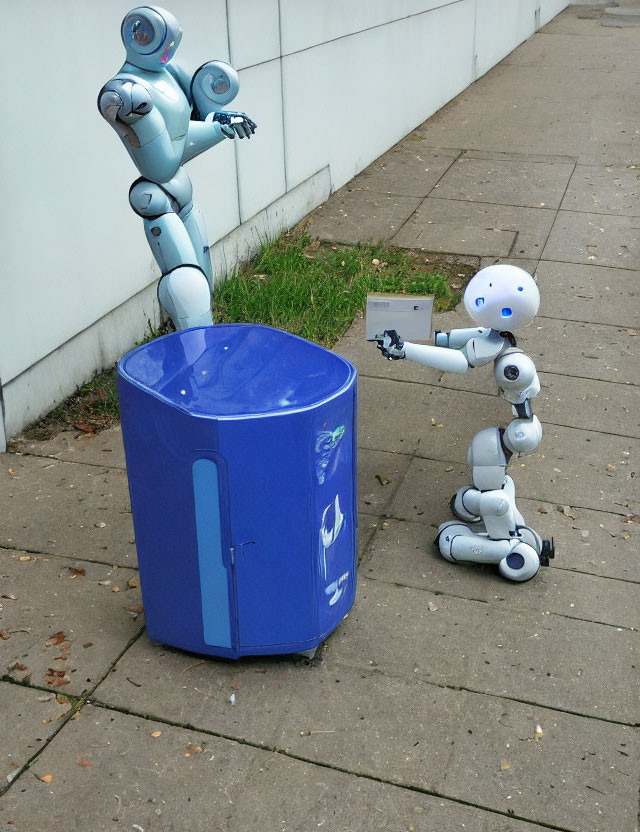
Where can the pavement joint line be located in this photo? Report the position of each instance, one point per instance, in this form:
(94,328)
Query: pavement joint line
(76,705)
(595,265)
(80,701)
(498,604)
(515,231)
(444,386)
(463,688)
(574,263)
(283,752)
(38,553)
(402,225)
(108,468)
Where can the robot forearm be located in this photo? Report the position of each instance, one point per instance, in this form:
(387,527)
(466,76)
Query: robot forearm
(201,136)
(440,358)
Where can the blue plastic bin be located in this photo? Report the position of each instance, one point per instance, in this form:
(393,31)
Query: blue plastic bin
(241,454)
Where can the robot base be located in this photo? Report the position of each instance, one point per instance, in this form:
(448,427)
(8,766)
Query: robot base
(518,559)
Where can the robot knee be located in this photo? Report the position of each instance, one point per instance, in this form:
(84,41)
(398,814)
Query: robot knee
(184,293)
(149,200)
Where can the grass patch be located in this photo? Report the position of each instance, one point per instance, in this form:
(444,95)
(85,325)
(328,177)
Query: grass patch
(309,288)
(315,290)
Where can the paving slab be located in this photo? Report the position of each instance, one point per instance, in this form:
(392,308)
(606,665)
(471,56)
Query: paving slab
(576,20)
(548,660)
(478,228)
(326,713)
(404,553)
(75,510)
(233,786)
(379,474)
(505,182)
(587,540)
(354,216)
(474,748)
(405,170)
(604,190)
(590,114)
(601,239)
(30,717)
(589,51)
(103,449)
(593,294)
(435,424)
(569,468)
(64,622)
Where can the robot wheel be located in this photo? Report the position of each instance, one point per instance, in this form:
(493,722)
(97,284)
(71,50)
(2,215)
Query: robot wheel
(521,564)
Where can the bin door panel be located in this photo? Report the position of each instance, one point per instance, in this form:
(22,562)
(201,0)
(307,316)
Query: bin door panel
(271,527)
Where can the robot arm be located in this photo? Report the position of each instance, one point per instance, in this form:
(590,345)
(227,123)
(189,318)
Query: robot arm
(518,383)
(458,337)
(128,108)
(440,358)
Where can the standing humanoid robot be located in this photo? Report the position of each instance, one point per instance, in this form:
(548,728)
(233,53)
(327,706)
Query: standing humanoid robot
(501,299)
(165,117)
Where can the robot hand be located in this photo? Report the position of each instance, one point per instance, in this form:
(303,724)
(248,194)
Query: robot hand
(392,345)
(235,124)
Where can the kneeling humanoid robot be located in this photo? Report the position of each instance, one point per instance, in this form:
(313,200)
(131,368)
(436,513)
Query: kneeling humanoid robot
(500,299)
(165,117)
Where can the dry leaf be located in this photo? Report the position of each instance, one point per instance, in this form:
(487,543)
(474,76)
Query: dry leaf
(55,639)
(46,778)
(432,607)
(632,332)
(156,733)
(611,467)
(115,589)
(88,644)
(81,762)
(134,582)
(137,608)
(539,733)
(542,510)
(505,766)
(85,427)
(76,572)
(382,480)
(24,558)
(11,471)
(235,684)
(4,635)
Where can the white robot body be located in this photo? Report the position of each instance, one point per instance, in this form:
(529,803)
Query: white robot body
(500,298)
(151,103)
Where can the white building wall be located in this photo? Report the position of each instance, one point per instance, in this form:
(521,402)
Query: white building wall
(332,85)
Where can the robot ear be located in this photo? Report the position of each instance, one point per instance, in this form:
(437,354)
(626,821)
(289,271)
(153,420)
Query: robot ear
(214,85)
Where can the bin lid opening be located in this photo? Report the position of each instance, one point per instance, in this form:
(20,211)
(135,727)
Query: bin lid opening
(236,370)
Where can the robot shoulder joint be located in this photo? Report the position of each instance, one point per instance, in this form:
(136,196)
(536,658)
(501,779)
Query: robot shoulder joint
(124,101)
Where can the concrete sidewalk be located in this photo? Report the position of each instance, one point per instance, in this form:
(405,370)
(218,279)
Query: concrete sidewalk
(448,699)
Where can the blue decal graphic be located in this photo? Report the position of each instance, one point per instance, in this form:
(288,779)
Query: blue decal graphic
(326,443)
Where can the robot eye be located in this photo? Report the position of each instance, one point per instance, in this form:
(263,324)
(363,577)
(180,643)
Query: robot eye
(506,312)
(479,301)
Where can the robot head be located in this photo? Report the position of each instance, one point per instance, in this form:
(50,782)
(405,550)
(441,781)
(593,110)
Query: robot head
(151,36)
(502,297)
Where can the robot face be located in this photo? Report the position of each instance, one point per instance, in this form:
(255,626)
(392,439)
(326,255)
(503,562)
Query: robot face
(151,36)
(502,297)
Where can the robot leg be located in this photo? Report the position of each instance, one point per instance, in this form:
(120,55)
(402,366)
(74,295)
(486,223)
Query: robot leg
(193,222)
(184,289)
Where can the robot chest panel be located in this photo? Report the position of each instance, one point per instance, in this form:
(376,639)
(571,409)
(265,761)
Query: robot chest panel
(170,100)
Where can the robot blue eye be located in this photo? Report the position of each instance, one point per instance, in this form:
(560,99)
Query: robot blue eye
(521,288)
(479,301)
(506,312)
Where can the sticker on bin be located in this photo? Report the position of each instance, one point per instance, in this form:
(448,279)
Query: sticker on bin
(409,315)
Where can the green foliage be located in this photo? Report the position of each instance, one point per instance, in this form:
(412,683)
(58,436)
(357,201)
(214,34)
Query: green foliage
(315,290)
